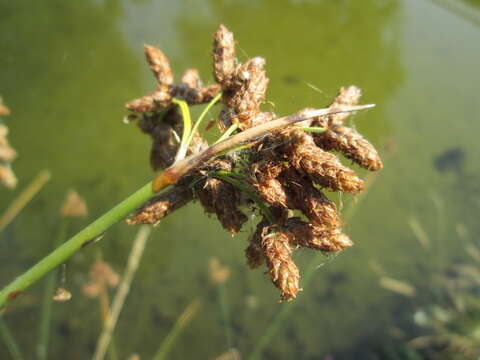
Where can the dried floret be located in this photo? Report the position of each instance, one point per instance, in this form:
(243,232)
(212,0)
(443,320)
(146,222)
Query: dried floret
(346,97)
(281,268)
(324,168)
(191,78)
(312,202)
(352,145)
(286,168)
(221,198)
(223,56)
(160,206)
(263,178)
(316,237)
(160,66)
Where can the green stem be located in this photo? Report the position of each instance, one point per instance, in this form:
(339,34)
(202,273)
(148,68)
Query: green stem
(84,237)
(187,128)
(46,313)
(312,129)
(9,340)
(177,330)
(202,116)
(227,133)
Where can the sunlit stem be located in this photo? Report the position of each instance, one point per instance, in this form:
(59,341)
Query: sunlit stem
(313,129)
(187,129)
(227,133)
(202,116)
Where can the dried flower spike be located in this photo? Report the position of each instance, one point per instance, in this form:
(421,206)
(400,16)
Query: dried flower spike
(278,173)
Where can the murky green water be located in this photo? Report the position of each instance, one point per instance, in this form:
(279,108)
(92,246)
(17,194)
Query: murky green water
(67,68)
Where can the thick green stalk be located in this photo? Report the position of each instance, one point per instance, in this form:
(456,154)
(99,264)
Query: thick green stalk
(84,237)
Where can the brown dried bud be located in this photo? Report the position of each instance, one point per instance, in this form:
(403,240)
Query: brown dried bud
(312,202)
(156,101)
(7,177)
(352,145)
(251,85)
(281,268)
(346,97)
(74,205)
(7,153)
(218,273)
(191,78)
(164,130)
(221,198)
(254,255)
(160,67)
(324,168)
(62,295)
(207,93)
(195,96)
(223,56)
(263,178)
(159,207)
(101,275)
(4,111)
(316,237)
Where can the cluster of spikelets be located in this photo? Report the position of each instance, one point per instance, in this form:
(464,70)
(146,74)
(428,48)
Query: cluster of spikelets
(7,153)
(286,170)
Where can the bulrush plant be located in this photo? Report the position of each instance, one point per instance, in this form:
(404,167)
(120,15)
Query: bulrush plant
(285,169)
(277,167)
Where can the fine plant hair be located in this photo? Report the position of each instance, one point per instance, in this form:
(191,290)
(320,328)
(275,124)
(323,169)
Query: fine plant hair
(277,167)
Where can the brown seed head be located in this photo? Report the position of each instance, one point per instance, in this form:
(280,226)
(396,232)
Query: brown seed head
(324,168)
(313,203)
(281,268)
(74,205)
(316,237)
(352,145)
(7,177)
(223,56)
(160,206)
(160,67)
(347,96)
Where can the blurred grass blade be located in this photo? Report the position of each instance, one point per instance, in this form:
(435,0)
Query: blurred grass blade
(177,330)
(134,258)
(419,232)
(397,286)
(23,199)
(9,340)
(46,310)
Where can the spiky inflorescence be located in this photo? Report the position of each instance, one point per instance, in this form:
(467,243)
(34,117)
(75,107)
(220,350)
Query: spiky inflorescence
(286,170)
(324,168)
(277,252)
(341,138)
(221,198)
(160,206)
